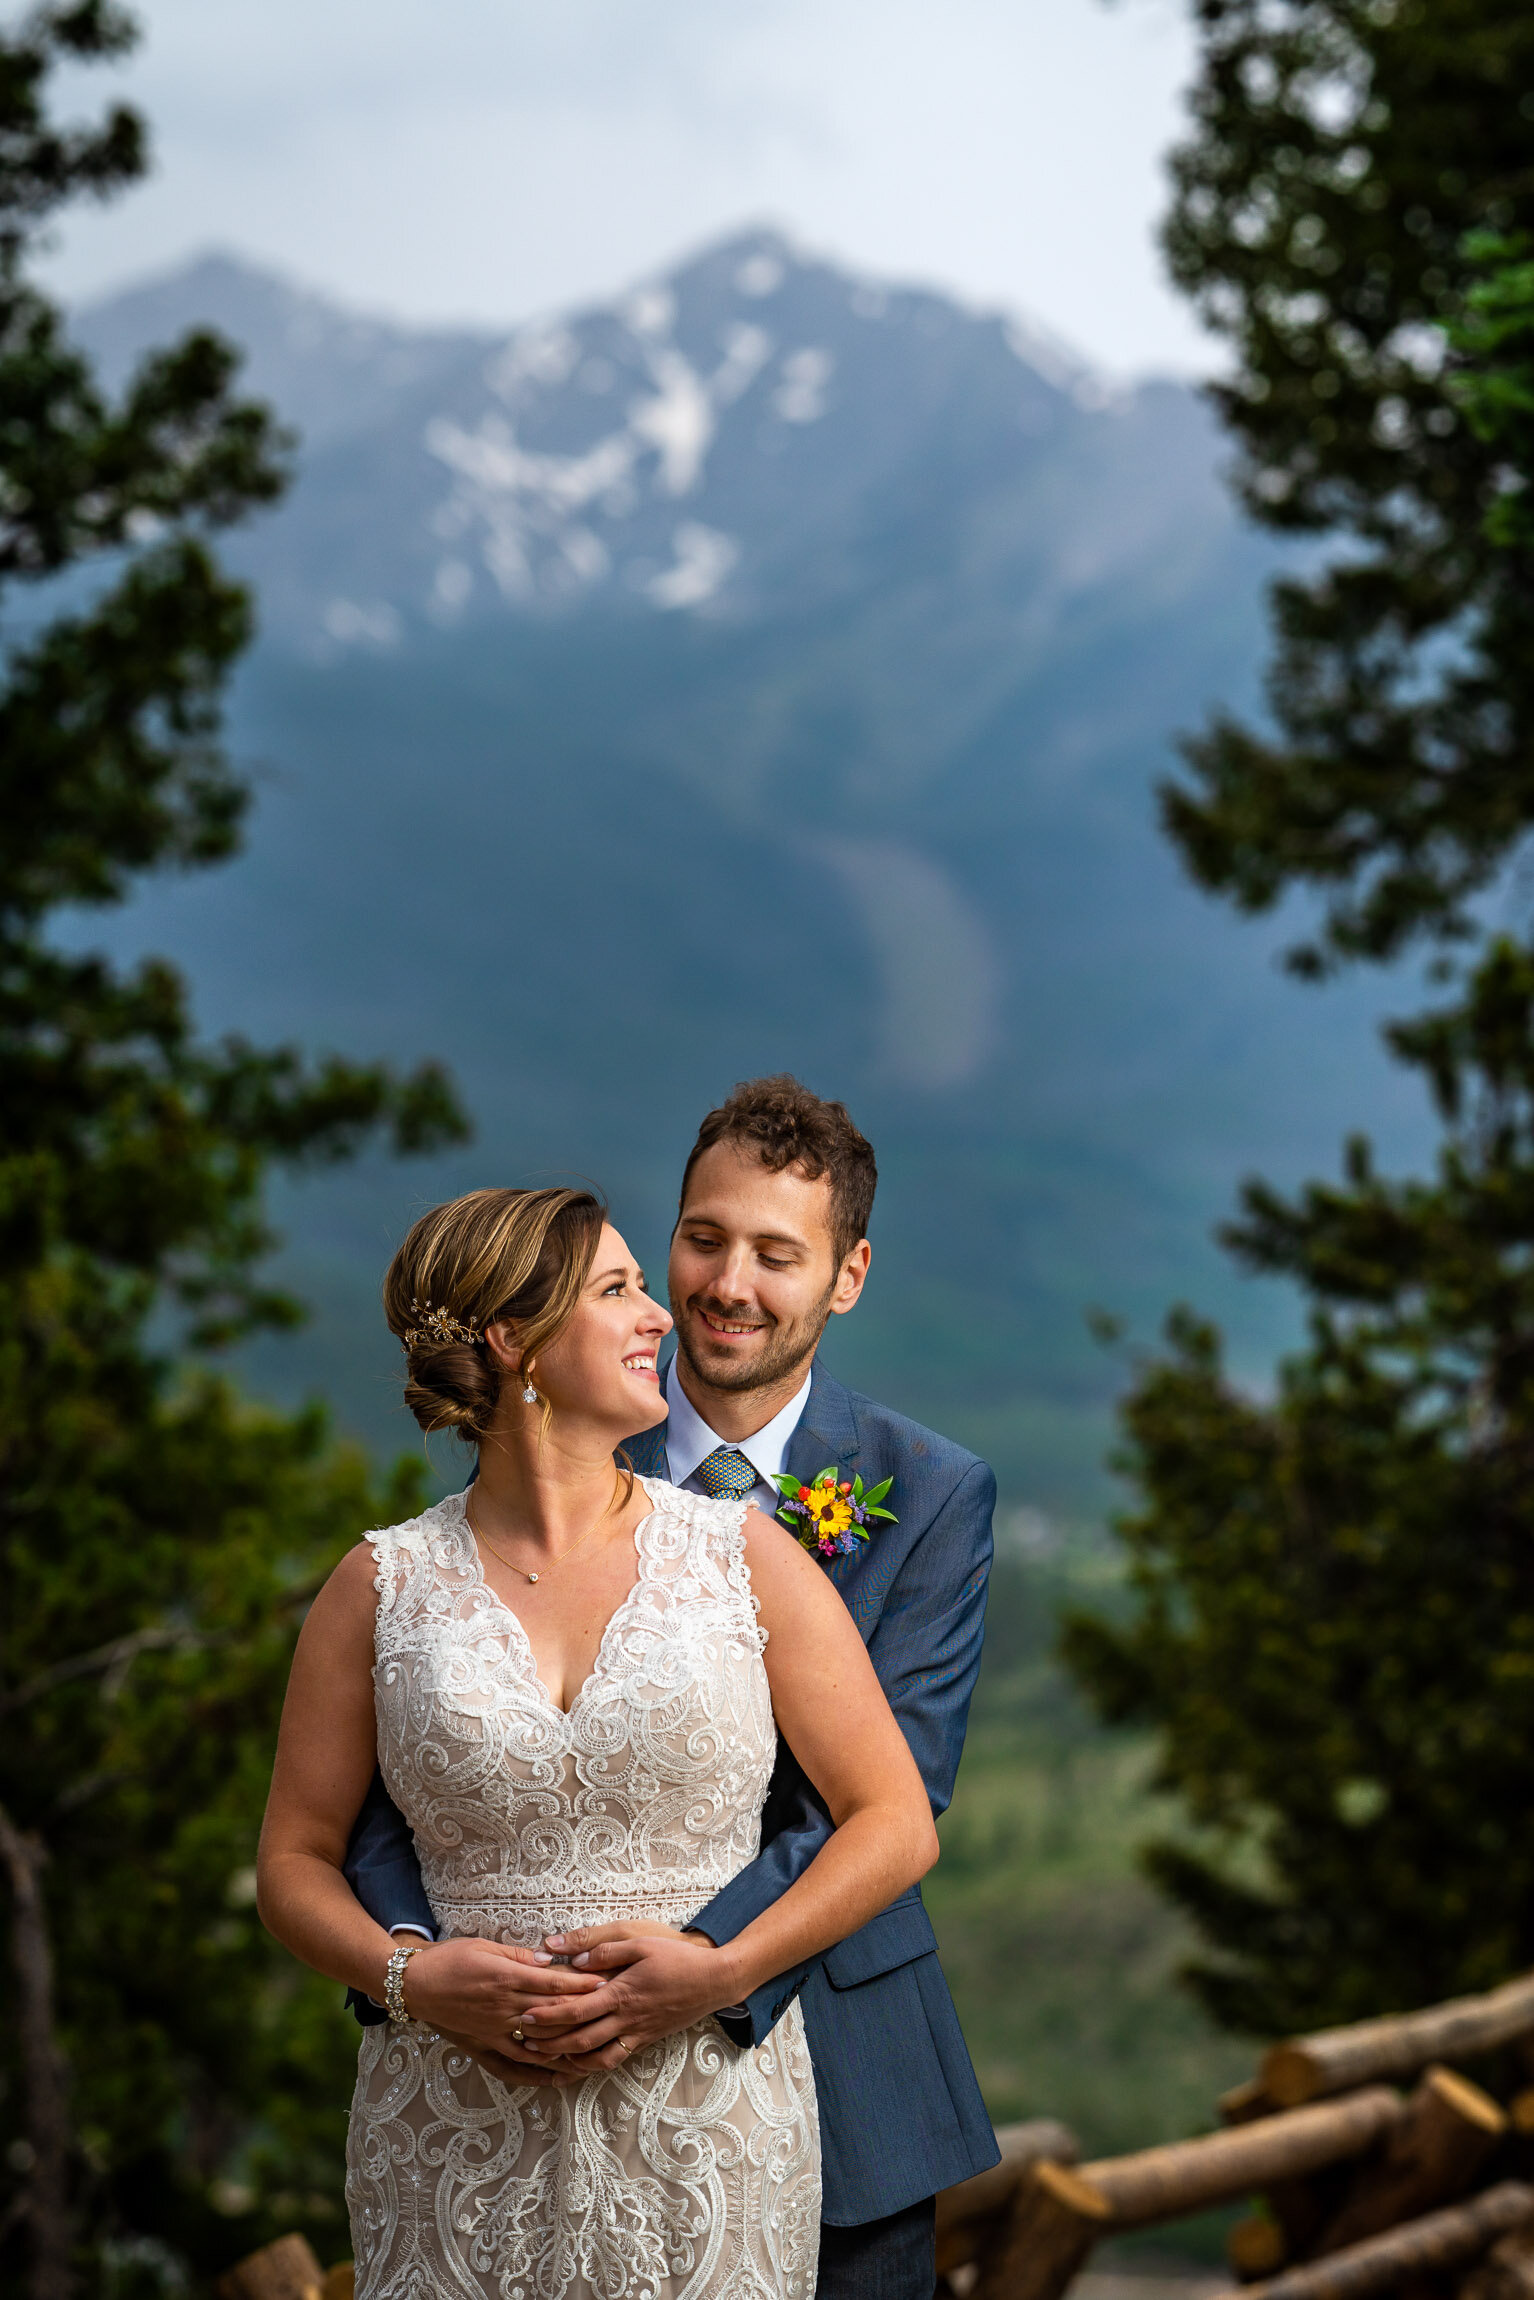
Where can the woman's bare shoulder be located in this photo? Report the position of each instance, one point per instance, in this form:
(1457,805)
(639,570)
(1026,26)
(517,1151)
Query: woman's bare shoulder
(357,1573)
(766,1535)
(780,1567)
(348,1598)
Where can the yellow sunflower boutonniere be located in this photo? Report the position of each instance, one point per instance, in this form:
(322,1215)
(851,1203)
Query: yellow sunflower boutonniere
(832,1515)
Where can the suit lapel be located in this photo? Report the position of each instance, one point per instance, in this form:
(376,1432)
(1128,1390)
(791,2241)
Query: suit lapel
(827,1433)
(827,1438)
(647,1451)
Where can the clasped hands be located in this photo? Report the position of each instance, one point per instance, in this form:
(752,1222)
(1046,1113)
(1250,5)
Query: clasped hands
(625,1985)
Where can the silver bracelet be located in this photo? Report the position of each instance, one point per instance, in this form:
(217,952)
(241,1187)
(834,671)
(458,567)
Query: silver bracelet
(394,1982)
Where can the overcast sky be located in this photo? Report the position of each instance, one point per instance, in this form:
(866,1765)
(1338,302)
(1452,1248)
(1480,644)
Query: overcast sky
(481,159)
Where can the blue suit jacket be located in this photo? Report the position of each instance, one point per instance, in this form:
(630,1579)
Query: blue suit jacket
(900,2112)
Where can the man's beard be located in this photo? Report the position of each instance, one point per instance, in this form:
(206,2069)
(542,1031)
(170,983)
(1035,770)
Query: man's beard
(785,1351)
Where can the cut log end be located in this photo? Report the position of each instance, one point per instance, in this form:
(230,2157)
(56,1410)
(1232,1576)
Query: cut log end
(1072,2190)
(1291,2076)
(1244,2103)
(1435,2156)
(1467,2101)
(969,2215)
(1057,2216)
(286,2270)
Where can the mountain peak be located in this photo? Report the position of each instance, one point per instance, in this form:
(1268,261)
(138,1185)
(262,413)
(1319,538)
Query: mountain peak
(324,367)
(755,424)
(652,445)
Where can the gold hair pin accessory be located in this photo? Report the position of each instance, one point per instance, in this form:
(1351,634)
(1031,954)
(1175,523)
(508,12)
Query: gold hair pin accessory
(439,1326)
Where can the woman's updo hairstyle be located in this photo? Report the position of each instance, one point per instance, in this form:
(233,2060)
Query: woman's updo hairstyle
(520,1255)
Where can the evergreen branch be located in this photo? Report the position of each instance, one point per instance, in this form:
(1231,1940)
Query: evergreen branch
(111,1662)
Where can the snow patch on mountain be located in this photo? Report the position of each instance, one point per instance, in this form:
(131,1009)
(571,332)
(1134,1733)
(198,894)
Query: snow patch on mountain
(544,519)
(586,433)
(704,558)
(759,274)
(801,393)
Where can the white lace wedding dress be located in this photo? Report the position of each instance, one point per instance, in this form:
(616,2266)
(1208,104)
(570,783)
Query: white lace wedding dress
(692,2172)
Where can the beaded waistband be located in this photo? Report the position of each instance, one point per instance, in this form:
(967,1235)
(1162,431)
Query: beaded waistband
(523,1922)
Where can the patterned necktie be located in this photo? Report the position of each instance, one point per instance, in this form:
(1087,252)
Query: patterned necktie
(726,1473)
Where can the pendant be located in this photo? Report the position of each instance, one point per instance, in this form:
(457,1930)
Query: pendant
(532,1577)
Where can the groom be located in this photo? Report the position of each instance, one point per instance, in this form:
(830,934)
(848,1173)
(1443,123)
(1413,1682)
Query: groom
(770,1243)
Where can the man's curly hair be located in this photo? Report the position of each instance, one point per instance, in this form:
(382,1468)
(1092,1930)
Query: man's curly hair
(787,1125)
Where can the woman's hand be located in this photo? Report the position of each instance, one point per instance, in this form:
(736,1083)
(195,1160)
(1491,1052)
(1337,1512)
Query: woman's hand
(479,1992)
(654,1980)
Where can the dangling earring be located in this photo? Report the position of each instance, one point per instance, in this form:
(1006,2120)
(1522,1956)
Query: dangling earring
(529,1395)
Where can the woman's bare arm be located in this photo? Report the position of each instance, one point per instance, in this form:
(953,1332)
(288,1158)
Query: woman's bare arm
(832,1712)
(325,1760)
(473,1990)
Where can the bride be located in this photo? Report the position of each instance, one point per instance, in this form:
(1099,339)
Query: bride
(573,1680)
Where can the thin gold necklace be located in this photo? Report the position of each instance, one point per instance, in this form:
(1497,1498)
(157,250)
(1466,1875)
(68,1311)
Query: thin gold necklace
(481,1536)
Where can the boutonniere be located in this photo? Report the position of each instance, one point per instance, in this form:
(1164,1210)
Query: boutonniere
(832,1515)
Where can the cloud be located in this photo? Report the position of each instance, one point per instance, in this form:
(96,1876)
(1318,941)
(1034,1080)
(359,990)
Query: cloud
(486,158)
(937,967)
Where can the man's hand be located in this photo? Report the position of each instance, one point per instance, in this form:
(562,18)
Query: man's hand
(514,2066)
(582,1939)
(479,1992)
(661,1981)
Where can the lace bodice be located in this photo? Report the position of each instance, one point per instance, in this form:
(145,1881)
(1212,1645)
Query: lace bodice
(644,1799)
(692,2170)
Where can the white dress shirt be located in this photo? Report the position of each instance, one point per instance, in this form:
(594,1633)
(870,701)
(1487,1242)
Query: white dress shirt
(689,1441)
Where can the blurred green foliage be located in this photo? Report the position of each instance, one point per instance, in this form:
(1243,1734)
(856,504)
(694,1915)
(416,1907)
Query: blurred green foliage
(1062,1959)
(172,2093)
(1335,1630)
(1494,377)
(1334,1627)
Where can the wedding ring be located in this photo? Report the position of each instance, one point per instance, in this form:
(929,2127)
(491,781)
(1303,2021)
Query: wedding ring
(627,2047)
(517,2036)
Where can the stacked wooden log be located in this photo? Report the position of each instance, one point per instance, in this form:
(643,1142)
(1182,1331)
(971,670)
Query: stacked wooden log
(1359,2186)
(286,2270)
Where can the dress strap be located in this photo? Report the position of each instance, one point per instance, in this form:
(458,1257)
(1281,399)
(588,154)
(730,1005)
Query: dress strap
(721,1530)
(401,1555)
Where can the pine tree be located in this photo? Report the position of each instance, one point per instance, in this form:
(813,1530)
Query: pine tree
(1348,154)
(170,2088)
(1335,1628)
